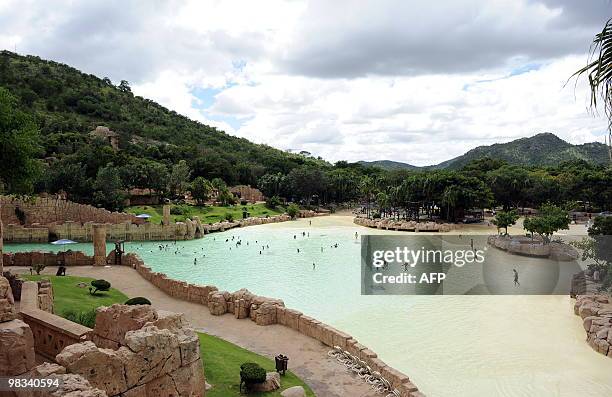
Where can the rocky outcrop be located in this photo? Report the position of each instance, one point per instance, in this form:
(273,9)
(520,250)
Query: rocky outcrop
(16,348)
(157,354)
(403,225)
(533,247)
(244,304)
(596,313)
(7,303)
(112,323)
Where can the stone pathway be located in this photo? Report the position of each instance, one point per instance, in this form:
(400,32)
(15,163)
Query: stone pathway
(307,357)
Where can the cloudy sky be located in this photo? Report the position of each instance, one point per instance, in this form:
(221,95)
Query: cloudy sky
(415,81)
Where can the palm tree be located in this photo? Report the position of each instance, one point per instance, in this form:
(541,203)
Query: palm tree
(367,187)
(599,72)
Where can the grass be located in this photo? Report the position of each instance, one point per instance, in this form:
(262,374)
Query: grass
(68,297)
(221,359)
(207,214)
(222,362)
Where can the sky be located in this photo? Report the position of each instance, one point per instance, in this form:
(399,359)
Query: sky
(412,81)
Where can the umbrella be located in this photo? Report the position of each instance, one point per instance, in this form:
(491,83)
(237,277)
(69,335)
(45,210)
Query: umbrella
(143,216)
(63,241)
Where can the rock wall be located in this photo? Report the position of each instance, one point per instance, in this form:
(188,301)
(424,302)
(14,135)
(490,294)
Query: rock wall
(127,231)
(596,313)
(46,211)
(264,311)
(534,247)
(408,226)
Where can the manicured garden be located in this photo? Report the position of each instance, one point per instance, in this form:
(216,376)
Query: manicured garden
(221,359)
(207,214)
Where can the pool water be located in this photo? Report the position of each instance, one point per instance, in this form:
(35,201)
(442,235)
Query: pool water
(448,345)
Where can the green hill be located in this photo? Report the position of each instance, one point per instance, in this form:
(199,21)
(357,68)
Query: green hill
(544,149)
(67,104)
(389,165)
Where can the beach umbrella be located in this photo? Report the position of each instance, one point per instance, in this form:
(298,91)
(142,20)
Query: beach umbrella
(63,241)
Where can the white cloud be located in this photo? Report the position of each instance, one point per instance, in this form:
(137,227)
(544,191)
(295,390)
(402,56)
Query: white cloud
(418,82)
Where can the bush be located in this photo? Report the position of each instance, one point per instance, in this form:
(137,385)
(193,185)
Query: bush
(229,217)
(39,267)
(86,318)
(99,285)
(138,300)
(243,202)
(273,202)
(251,373)
(293,210)
(178,210)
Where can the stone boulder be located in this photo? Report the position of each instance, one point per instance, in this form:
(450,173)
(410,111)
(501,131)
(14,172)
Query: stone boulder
(16,348)
(217,304)
(7,307)
(271,383)
(103,368)
(155,353)
(112,323)
(295,391)
(73,385)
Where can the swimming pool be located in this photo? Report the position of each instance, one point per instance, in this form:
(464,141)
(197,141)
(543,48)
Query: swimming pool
(448,345)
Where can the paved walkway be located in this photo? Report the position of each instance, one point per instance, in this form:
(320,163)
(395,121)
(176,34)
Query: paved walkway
(307,357)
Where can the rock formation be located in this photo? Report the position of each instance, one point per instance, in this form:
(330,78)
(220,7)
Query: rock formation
(596,313)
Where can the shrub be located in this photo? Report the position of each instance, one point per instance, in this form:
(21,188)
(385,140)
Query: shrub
(138,300)
(178,210)
(251,373)
(39,267)
(99,285)
(229,217)
(86,318)
(243,202)
(273,202)
(293,210)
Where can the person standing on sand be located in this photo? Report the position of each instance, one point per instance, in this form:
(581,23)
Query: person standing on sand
(516,280)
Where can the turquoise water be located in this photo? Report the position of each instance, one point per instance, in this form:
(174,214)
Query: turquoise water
(448,345)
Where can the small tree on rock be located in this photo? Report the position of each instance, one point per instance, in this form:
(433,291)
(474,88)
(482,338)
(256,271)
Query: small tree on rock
(504,219)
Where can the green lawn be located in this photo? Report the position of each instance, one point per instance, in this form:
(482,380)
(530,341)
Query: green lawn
(67,296)
(221,359)
(207,214)
(222,362)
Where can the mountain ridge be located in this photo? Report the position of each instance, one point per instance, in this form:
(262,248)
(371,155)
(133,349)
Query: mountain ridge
(543,149)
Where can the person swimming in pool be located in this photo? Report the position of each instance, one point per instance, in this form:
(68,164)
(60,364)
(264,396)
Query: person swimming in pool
(516,278)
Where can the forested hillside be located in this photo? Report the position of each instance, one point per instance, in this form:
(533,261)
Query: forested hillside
(68,104)
(48,110)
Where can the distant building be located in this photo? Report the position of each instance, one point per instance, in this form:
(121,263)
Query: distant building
(109,136)
(247,193)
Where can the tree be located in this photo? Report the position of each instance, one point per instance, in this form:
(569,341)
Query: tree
(99,285)
(596,248)
(124,86)
(226,197)
(108,189)
(293,210)
(503,219)
(200,189)
(550,218)
(179,177)
(19,146)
